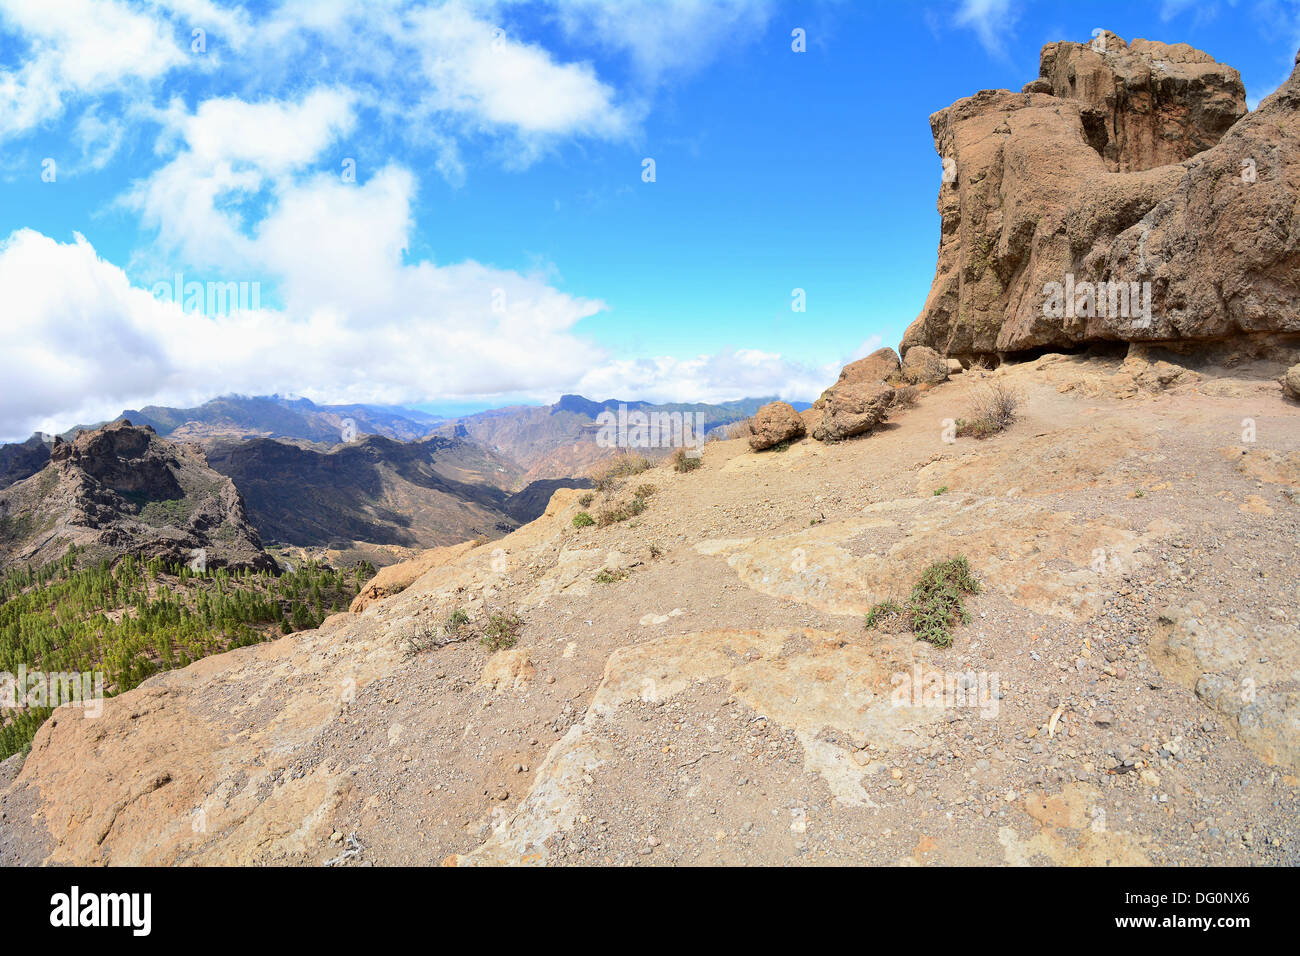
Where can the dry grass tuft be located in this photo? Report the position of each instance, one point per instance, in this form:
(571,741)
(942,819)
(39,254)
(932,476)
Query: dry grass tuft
(997,405)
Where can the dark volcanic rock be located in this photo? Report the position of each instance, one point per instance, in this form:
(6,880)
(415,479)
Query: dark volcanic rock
(22,460)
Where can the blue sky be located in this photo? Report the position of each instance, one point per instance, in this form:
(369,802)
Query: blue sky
(498,242)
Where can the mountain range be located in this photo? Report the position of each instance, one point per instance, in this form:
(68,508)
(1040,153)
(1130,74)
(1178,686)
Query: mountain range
(372,480)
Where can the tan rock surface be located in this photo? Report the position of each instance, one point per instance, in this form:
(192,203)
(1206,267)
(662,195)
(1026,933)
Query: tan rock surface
(1125,166)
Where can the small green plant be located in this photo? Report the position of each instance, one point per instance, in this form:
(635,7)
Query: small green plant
(683,462)
(882,612)
(1139,493)
(619,513)
(942,490)
(583,520)
(611,576)
(456,619)
(500,630)
(935,605)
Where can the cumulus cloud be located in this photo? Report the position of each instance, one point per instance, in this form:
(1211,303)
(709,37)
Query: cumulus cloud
(83,342)
(77,48)
(476,68)
(722,377)
(231,151)
(247,189)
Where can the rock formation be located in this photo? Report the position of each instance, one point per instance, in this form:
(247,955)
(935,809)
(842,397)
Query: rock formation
(1118,198)
(22,460)
(121,489)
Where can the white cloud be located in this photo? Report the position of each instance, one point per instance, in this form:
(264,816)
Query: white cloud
(664,35)
(77,48)
(992,20)
(231,152)
(722,377)
(476,68)
(84,343)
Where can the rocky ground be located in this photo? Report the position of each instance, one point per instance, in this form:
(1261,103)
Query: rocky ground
(1128,678)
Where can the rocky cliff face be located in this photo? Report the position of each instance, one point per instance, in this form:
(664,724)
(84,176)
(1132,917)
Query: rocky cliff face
(1117,198)
(121,489)
(22,460)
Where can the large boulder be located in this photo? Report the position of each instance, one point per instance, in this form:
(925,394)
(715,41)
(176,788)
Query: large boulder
(852,408)
(1291,382)
(1115,168)
(774,423)
(880,366)
(923,365)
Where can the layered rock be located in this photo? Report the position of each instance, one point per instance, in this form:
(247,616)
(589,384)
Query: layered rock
(1062,227)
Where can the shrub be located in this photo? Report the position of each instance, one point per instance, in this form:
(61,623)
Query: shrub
(741,429)
(883,612)
(424,636)
(996,407)
(619,513)
(500,630)
(586,500)
(624,466)
(936,604)
(608,576)
(906,397)
(655,550)
(683,462)
(583,520)
(645,491)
